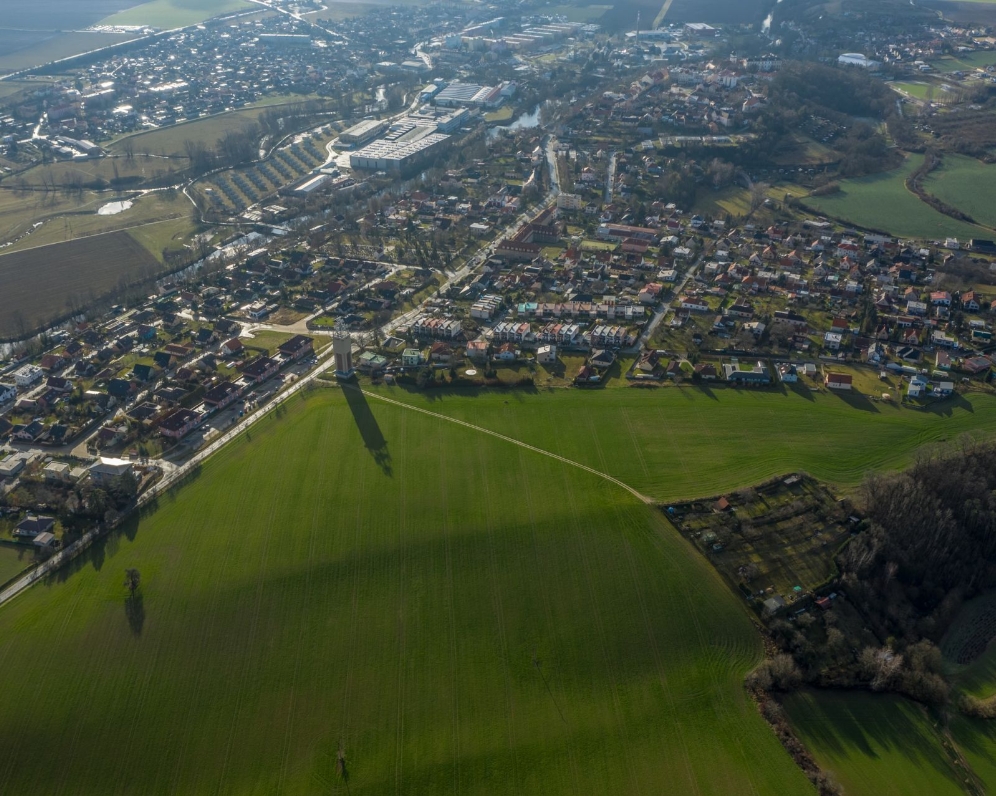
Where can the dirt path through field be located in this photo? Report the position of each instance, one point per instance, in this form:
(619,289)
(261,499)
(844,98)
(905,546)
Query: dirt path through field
(527,446)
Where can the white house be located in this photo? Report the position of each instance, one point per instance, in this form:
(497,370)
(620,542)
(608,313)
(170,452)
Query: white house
(26,375)
(8,392)
(546,354)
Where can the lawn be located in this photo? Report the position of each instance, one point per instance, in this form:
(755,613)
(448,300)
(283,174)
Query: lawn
(965,62)
(168,14)
(356,576)
(209,130)
(732,200)
(874,744)
(882,202)
(14,561)
(967,184)
(688,442)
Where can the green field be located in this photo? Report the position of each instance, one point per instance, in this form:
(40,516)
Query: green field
(155,220)
(882,202)
(13,561)
(967,184)
(915,89)
(169,141)
(358,576)
(965,62)
(456,612)
(874,744)
(175,13)
(681,443)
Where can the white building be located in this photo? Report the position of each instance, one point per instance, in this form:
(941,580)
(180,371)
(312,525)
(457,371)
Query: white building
(26,375)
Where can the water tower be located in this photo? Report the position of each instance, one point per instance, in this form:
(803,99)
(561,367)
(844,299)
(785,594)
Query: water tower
(342,349)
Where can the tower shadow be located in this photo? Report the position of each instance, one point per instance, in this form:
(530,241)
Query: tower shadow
(373,439)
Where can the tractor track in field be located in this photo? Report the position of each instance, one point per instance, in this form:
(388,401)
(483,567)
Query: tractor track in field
(638,495)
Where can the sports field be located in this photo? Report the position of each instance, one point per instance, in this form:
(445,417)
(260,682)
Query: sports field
(968,184)
(874,744)
(882,202)
(455,613)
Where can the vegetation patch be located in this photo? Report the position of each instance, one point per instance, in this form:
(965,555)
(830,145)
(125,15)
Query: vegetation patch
(966,184)
(778,538)
(882,202)
(875,743)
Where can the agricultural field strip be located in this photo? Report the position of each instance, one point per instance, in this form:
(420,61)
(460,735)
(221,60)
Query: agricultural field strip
(638,495)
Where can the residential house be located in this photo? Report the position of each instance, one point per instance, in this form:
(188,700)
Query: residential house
(260,369)
(411,358)
(297,347)
(740,373)
(106,470)
(838,381)
(222,394)
(179,423)
(27,375)
(32,525)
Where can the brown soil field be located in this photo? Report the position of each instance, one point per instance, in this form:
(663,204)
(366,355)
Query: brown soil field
(44,283)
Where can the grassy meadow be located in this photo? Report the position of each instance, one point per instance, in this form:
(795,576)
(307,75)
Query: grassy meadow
(882,202)
(14,560)
(453,612)
(967,184)
(877,744)
(682,443)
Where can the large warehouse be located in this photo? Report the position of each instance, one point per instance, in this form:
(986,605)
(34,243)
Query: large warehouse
(363,132)
(395,156)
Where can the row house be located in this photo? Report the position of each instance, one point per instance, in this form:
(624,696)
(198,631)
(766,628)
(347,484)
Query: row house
(179,423)
(222,394)
(260,369)
(485,307)
(436,327)
(513,332)
(297,347)
(564,333)
(604,335)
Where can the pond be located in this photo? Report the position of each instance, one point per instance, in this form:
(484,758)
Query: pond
(113,208)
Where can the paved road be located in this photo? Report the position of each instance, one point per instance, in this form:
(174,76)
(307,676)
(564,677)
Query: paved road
(665,308)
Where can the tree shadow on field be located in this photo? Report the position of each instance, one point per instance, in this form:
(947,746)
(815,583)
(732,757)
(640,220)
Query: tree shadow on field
(370,431)
(135,613)
(102,549)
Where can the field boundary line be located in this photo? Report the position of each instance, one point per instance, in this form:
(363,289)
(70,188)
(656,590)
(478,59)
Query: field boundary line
(638,495)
